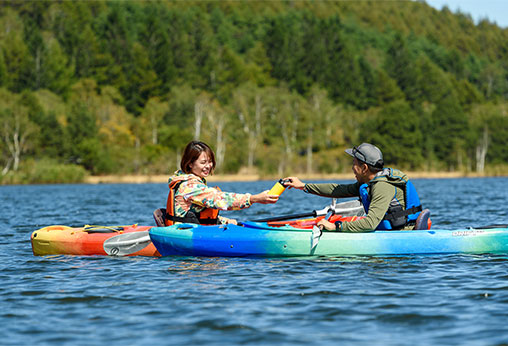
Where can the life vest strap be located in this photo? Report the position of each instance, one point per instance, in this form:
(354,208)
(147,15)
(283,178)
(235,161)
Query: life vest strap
(207,216)
(397,214)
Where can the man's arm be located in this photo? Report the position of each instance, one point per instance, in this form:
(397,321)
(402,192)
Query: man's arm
(333,190)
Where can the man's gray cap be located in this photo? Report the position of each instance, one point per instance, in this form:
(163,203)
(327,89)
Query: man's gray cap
(368,153)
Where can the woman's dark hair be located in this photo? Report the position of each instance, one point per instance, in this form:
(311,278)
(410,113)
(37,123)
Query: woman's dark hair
(192,152)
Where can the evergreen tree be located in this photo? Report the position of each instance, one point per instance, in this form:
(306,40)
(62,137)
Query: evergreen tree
(55,73)
(142,82)
(81,125)
(283,44)
(400,66)
(50,137)
(386,88)
(158,43)
(17,61)
(343,79)
(3,70)
(396,130)
(450,131)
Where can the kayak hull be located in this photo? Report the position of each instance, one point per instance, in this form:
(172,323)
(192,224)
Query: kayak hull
(259,239)
(64,240)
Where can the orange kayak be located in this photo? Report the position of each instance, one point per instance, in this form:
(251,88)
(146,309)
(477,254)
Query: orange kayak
(87,240)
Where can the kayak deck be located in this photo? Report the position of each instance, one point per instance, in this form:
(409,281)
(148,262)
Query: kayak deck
(87,240)
(260,239)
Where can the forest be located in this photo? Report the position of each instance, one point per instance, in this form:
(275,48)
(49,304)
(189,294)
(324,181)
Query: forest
(120,87)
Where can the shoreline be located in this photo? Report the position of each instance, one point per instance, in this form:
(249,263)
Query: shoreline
(142,179)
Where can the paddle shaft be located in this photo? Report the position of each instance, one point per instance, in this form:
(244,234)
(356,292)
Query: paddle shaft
(345,208)
(287,217)
(491,226)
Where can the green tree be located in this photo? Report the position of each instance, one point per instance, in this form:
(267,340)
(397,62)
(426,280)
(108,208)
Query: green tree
(257,57)
(343,78)
(17,61)
(157,39)
(55,73)
(49,139)
(81,125)
(17,131)
(450,132)
(72,24)
(153,115)
(396,130)
(249,106)
(400,66)
(142,82)
(432,83)
(386,88)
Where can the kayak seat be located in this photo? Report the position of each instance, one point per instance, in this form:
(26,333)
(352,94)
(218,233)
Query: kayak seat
(159,217)
(422,221)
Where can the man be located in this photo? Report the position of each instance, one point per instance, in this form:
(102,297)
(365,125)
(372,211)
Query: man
(388,197)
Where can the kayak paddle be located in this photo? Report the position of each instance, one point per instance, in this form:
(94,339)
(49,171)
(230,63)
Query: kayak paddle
(126,243)
(317,231)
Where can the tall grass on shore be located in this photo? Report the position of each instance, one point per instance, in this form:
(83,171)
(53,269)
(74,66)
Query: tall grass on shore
(45,172)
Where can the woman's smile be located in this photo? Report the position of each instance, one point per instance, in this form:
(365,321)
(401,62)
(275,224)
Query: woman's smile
(202,166)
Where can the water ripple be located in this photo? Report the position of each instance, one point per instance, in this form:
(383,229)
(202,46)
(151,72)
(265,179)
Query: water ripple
(361,300)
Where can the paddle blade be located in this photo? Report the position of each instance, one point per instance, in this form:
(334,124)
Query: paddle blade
(127,243)
(316,234)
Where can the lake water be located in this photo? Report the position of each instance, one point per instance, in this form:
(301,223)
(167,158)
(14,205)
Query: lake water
(361,300)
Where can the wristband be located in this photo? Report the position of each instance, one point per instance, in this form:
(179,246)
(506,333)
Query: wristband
(305,188)
(338,226)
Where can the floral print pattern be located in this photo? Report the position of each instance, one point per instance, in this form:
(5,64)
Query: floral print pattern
(194,195)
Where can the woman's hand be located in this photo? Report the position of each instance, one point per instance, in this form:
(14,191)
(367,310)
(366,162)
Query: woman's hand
(227,221)
(231,222)
(327,225)
(264,198)
(294,182)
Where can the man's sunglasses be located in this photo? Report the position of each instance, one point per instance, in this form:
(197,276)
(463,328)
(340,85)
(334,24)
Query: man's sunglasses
(357,152)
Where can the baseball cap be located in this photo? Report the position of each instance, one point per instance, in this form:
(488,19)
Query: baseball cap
(368,153)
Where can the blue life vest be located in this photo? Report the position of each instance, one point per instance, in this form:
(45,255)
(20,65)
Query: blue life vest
(396,217)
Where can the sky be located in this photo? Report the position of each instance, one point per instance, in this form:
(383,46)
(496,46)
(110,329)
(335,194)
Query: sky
(495,10)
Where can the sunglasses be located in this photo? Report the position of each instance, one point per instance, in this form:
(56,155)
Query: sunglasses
(357,152)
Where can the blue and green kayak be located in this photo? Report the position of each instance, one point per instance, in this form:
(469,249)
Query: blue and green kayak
(262,239)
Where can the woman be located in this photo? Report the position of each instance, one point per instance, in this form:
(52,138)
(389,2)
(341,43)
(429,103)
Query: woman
(190,200)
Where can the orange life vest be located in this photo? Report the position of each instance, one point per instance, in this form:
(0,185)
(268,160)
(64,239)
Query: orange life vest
(207,216)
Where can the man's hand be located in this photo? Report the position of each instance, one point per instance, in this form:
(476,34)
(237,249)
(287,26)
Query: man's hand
(326,225)
(294,182)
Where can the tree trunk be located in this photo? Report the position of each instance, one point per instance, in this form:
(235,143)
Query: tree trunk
(37,68)
(481,150)
(309,150)
(198,118)
(286,157)
(252,144)
(221,145)
(14,145)
(7,167)
(155,135)
(253,131)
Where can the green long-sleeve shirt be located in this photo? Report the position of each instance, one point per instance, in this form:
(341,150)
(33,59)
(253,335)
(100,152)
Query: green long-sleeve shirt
(382,193)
